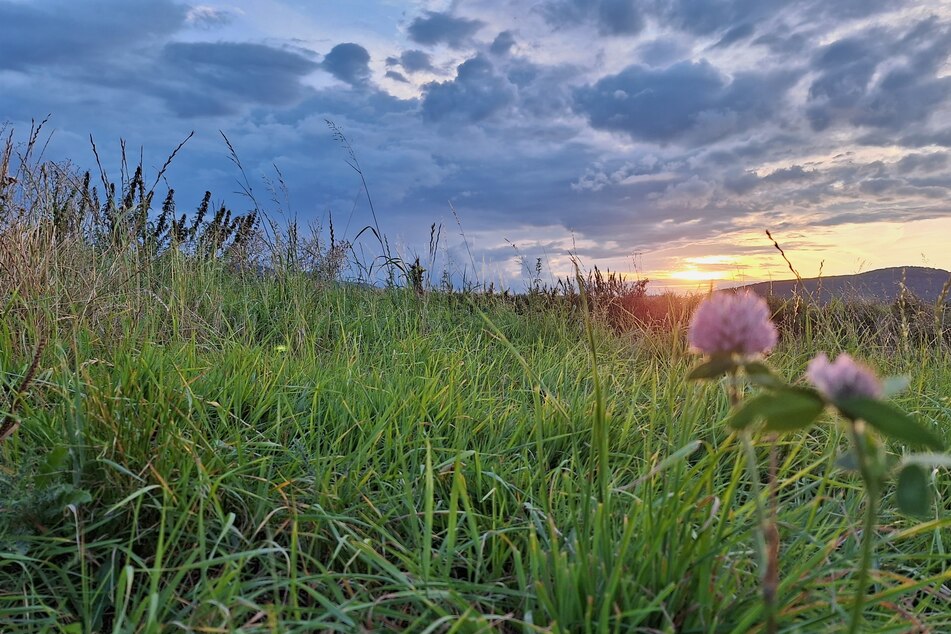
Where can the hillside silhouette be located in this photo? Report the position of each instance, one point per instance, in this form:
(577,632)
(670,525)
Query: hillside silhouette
(881,284)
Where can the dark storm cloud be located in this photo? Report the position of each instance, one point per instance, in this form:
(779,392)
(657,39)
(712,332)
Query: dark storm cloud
(434,28)
(690,101)
(612,17)
(68,33)
(476,93)
(348,62)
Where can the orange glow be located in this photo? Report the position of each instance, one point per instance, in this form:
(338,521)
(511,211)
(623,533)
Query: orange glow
(832,250)
(696,275)
(712,259)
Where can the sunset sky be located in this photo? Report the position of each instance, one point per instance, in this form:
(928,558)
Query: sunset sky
(658,135)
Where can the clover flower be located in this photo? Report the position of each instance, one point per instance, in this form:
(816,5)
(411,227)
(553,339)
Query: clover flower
(732,323)
(843,378)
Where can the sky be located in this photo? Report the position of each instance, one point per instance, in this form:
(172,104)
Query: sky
(659,138)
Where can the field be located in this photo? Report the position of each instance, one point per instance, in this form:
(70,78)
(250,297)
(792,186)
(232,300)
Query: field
(195,445)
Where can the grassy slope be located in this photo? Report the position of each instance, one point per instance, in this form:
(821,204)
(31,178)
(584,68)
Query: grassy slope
(398,467)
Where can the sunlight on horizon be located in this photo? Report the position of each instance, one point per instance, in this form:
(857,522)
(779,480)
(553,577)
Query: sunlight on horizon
(696,275)
(832,250)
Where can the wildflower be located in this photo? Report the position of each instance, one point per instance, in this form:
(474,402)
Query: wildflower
(732,323)
(843,378)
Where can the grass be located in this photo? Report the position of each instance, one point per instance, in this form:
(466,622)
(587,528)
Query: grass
(209,451)
(214,435)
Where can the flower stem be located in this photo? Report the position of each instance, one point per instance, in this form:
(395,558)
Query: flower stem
(868,529)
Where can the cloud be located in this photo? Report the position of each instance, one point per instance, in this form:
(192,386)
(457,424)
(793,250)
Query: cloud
(348,62)
(662,52)
(845,69)
(212,78)
(61,32)
(646,170)
(106,47)
(689,101)
(736,34)
(881,78)
(807,112)
(544,91)
(395,76)
(923,162)
(706,17)
(620,17)
(206,17)
(611,17)
(692,193)
(503,43)
(789,174)
(412,61)
(476,93)
(566,13)
(442,28)
(711,17)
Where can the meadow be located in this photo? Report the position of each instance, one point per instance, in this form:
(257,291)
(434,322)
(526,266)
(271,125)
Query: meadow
(195,442)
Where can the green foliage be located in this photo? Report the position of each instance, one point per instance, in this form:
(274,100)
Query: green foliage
(912,491)
(38,498)
(714,368)
(784,410)
(890,421)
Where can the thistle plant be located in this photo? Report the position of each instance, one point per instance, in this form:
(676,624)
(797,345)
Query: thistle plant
(733,331)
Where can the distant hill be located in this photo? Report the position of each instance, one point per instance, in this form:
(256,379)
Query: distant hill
(881,284)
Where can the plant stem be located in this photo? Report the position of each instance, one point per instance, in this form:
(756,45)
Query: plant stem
(868,529)
(762,547)
(771,537)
